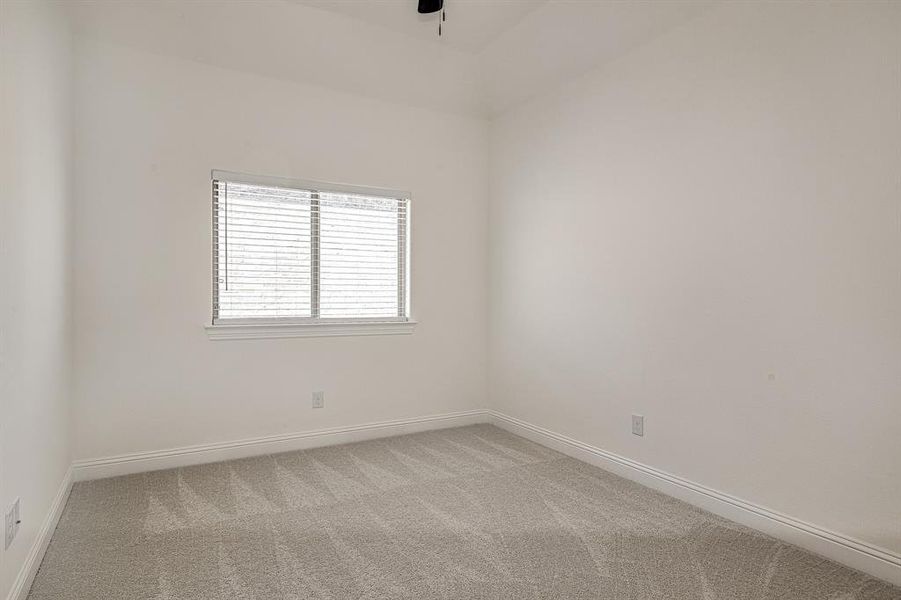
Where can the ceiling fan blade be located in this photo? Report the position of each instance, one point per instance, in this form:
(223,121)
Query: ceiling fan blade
(430,6)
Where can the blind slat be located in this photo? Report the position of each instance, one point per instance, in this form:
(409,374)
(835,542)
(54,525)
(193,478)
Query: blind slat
(271,212)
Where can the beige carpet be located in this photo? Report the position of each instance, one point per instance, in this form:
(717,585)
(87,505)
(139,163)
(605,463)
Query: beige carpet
(463,513)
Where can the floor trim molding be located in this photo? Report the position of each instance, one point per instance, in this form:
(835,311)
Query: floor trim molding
(878,562)
(22,583)
(139,462)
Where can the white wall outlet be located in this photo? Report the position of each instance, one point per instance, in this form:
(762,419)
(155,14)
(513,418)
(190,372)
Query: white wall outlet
(318,399)
(12,524)
(638,425)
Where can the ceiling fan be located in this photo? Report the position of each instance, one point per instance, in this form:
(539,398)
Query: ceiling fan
(433,6)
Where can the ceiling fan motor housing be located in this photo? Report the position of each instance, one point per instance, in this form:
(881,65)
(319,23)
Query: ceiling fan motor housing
(430,6)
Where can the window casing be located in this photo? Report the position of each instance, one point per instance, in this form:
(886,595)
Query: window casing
(296,252)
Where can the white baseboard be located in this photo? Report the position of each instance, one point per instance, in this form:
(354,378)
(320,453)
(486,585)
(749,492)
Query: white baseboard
(22,583)
(878,562)
(140,462)
(857,554)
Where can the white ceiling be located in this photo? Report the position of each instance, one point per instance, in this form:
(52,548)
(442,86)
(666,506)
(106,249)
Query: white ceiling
(495,53)
(563,39)
(471,24)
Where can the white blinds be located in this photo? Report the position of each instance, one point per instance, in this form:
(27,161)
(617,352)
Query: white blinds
(304,252)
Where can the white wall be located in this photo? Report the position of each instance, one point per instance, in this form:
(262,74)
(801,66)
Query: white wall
(707,231)
(287,40)
(149,130)
(35,282)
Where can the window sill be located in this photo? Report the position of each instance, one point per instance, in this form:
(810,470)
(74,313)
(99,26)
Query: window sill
(258,331)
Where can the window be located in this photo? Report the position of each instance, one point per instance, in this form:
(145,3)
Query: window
(294,253)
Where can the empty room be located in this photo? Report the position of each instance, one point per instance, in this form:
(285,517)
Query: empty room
(450,299)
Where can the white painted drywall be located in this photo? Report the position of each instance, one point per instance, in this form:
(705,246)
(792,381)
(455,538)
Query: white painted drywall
(290,41)
(707,231)
(493,54)
(35,282)
(562,39)
(149,130)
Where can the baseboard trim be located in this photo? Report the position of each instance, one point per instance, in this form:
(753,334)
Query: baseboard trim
(857,554)
(876,561)
(22,583)
(140,462)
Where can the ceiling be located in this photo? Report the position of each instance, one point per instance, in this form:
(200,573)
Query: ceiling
(495,54)
(471,24)
(562,39)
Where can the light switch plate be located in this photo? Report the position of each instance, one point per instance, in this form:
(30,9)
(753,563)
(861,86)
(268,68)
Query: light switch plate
(638,425)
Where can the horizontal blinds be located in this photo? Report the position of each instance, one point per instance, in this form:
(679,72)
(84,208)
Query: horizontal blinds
(361,241)
(285,253)
(262,252)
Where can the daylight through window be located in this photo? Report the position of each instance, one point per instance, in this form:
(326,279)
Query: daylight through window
(290,251)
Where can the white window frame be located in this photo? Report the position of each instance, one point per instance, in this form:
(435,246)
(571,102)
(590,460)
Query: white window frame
(230,329)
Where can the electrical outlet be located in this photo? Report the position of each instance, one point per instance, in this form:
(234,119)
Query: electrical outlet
(638,425)
(318,399)
(12,524)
